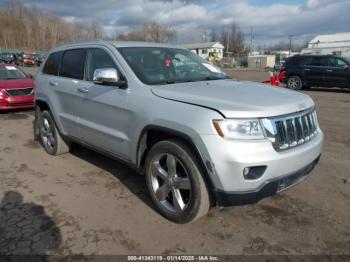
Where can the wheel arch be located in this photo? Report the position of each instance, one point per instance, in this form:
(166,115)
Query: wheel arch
(300,75)
(152,134)
(41,105)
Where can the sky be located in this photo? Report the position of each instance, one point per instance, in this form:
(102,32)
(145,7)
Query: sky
(271,21)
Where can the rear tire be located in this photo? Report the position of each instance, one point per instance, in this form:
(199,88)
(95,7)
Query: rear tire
(50,138)
(294,83)
(175,182)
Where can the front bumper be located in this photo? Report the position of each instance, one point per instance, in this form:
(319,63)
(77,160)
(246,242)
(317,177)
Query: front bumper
(29,62)
(18,102)
(269,188)
(229,158)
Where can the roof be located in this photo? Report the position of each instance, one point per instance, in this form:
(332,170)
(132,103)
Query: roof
(113,43)
(203,45)
(3,65)
(338,37)
(261,56)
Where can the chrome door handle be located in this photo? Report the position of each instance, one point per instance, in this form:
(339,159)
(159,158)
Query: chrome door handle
(329,70)
(307,69)
(83,90)
(52,83)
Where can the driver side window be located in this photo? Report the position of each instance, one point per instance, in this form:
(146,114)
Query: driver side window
(97,58)
(336,62)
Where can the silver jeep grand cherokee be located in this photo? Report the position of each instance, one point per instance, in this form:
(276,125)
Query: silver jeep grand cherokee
(200,138)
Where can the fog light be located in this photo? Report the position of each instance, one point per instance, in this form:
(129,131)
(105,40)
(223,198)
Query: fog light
(253,172)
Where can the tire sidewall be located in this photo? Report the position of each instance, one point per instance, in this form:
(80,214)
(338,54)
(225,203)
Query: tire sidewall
(188,161)
(47,115)
(295,88)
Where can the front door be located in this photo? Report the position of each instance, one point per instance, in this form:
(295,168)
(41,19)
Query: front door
(314,71)
(104,116)
(337,73)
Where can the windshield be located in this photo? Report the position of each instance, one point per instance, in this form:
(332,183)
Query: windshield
(159,65)
(6,55)
(11,72)
(28,56)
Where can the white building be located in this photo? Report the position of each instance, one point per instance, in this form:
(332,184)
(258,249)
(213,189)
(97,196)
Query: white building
(282,55)
(203,49)
(336,44)
(261,61)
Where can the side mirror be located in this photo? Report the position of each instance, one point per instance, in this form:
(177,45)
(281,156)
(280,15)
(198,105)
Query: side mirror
(108,76)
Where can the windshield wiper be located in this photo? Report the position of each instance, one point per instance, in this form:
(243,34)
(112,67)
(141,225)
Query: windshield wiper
(179,81)
(209,78)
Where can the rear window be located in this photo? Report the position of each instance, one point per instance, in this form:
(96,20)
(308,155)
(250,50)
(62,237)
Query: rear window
(53,63)
(296,60)
(318,61)
(73,64)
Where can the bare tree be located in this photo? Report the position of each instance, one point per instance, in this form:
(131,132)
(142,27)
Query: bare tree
(151,32)
(29,29)
(233,39)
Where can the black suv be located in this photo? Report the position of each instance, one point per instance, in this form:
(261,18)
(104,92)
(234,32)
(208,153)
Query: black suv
(7,58)
(303,71)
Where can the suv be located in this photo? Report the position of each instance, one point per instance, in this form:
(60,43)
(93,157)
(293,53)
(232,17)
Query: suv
(7,58)
(303,71)
(200,138)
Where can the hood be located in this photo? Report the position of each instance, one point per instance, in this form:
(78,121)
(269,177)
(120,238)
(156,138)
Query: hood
(17,83)
(237,99)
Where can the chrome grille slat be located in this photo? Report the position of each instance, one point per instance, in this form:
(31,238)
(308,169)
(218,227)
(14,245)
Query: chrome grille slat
(292,130)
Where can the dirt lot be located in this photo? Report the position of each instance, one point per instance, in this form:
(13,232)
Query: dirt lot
(84,203)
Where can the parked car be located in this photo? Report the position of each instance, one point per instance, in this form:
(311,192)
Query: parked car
(278,66)
(16,88)
(8,58)
(303,71)
(26,59)
(39,59)
(200,138)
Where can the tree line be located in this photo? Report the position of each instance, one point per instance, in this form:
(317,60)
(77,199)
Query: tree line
(30,29)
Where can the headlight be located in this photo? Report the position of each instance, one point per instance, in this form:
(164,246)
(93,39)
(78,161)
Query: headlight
(239,128)
(2,93)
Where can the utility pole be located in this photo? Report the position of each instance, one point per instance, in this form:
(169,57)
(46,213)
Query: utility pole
(290,44)
(251,38)
(228,41)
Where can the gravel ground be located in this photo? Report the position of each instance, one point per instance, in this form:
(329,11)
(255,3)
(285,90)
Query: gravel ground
(85,203)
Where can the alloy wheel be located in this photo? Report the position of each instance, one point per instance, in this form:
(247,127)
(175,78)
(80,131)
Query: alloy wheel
(294,83)
(170,183)
(47,134)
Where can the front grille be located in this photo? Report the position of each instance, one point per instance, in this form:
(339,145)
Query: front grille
(290,131)
(20,92)
(21,104)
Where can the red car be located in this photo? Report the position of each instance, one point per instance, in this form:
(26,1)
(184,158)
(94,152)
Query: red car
(16,88)
(28,59)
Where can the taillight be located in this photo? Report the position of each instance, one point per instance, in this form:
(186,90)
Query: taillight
(282,69)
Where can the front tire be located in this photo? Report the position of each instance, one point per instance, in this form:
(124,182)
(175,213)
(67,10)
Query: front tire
(50,138)
(175,182)
(294,83)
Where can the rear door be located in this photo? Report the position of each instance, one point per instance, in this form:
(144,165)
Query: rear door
(66,90)
(315,69)
(337,73)
(104,115)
